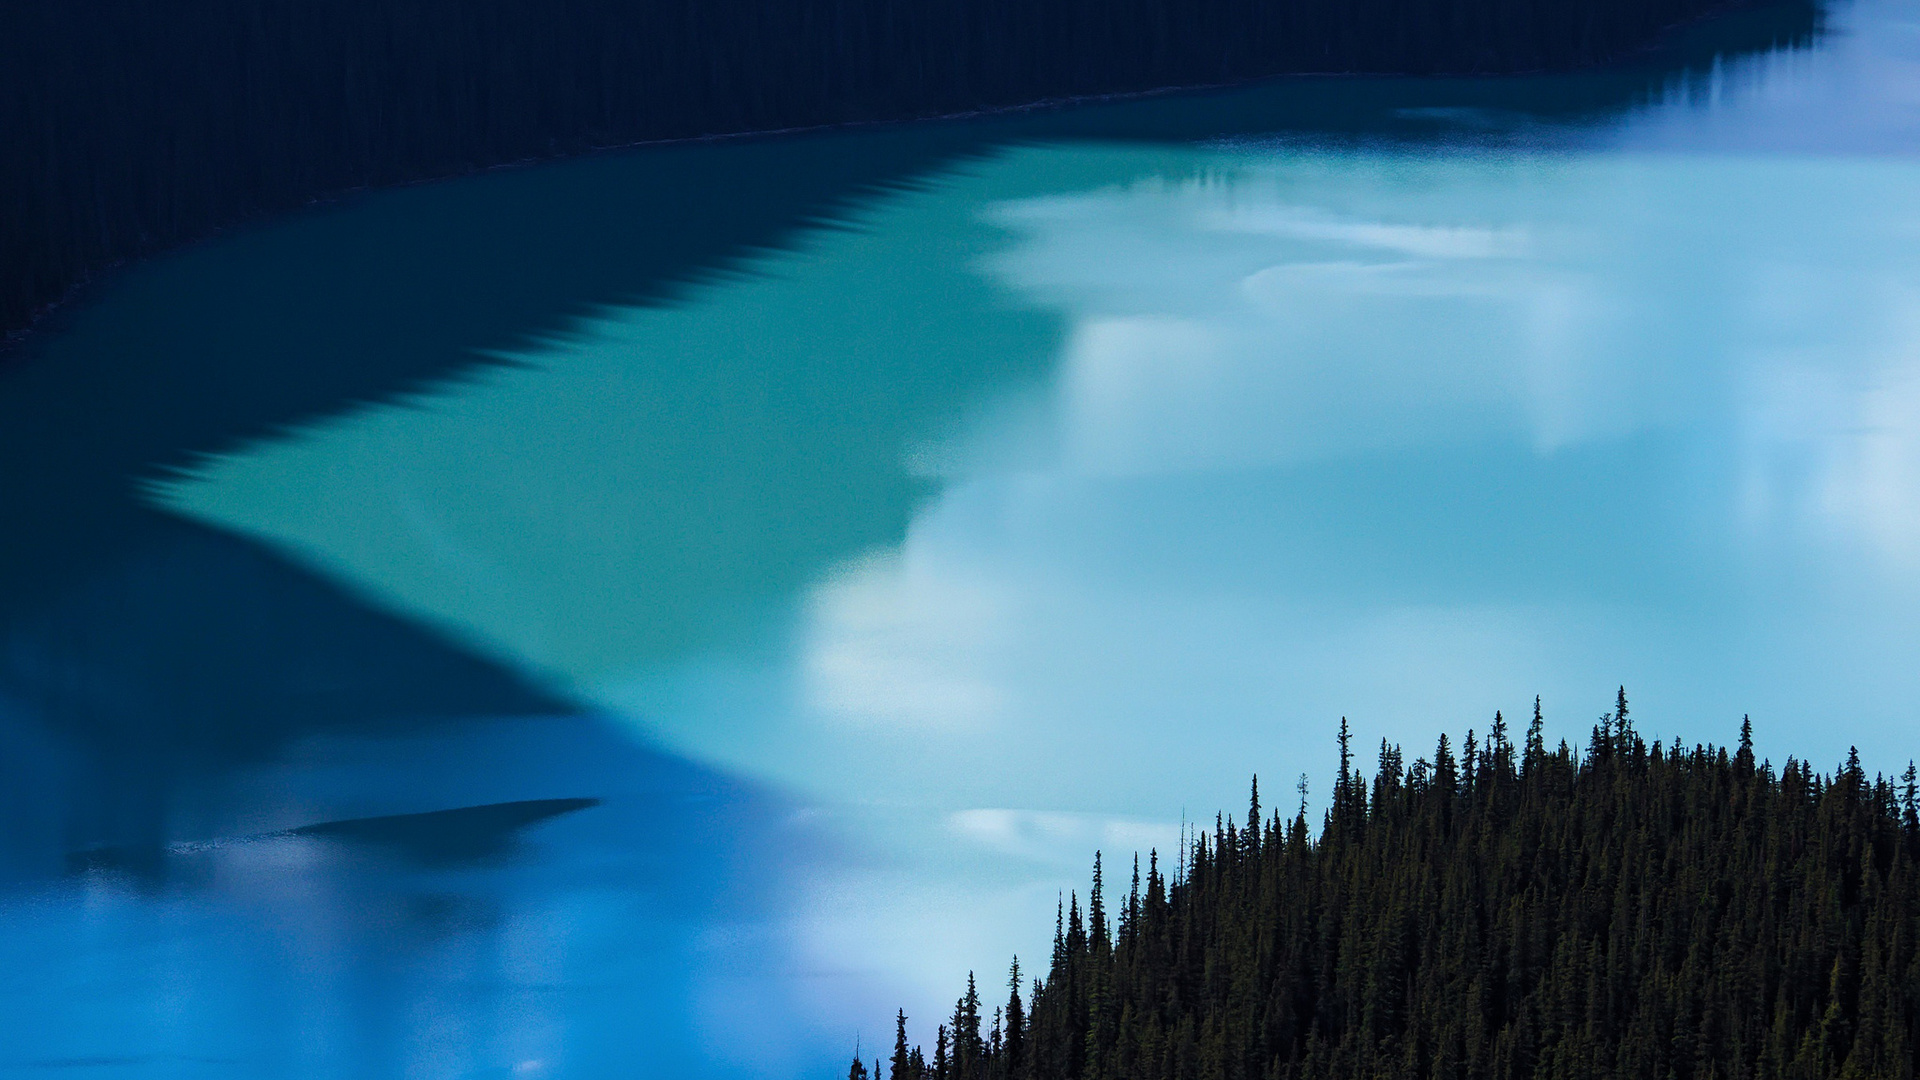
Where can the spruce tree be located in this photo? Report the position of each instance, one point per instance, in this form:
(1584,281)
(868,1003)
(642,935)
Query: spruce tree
(1671,912)
(902,1065)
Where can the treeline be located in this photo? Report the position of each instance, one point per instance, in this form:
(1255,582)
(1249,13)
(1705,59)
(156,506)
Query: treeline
(1495,912)
(129,125)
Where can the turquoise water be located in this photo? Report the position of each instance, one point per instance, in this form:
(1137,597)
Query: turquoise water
(877,523)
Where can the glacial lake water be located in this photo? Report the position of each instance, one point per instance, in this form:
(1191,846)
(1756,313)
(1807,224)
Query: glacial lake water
(656,614)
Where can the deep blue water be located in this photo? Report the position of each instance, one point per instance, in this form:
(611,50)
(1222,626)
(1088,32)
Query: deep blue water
(654,614)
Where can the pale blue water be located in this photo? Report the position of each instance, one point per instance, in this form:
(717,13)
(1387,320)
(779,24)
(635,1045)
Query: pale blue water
(878,523)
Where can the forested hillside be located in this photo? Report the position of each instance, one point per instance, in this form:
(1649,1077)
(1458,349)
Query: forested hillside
(1495,911)
(129,125)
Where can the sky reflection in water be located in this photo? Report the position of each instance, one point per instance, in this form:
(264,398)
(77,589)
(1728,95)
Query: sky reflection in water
(1024,508)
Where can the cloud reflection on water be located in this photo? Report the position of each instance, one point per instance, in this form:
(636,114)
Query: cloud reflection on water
(980,518)
(1389,434)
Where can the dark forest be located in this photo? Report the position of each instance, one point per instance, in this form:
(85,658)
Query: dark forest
(1500,910)
(132,125)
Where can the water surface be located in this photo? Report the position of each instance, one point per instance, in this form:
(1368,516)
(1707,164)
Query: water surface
(790,560)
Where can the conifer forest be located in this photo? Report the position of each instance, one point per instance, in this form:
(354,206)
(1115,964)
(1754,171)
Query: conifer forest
(1498,910)
(651,539)
(131,126)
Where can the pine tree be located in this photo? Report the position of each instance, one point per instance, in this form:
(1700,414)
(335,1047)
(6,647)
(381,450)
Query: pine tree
(127,131)
(1667,912)
(903,1068)
(1013,1044)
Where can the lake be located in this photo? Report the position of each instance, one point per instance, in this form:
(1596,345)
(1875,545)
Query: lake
(659,613)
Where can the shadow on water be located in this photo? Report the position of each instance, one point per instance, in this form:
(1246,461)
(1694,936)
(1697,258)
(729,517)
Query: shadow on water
(447,837)
(183,708)
(140,647)
(463,835)
(171,693)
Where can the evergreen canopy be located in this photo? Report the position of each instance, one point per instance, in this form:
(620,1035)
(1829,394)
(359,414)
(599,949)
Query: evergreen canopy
(132,125)
(1500,911)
